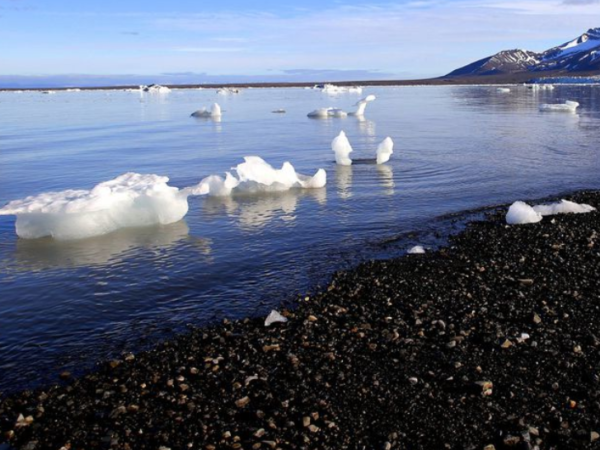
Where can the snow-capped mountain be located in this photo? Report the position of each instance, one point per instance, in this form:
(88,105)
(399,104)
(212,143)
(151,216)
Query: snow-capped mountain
(579,55)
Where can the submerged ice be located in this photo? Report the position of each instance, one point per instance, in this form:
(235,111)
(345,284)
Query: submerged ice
(256,175)
(130,200)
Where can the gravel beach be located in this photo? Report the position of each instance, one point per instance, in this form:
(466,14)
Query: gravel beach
(491,342)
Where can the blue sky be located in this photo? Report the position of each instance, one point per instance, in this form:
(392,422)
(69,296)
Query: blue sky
(403,39)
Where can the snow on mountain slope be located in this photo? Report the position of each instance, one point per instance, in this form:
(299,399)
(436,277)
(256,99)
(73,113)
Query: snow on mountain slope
(579,55)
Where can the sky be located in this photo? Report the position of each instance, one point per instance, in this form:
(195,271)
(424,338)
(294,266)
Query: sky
(192,39)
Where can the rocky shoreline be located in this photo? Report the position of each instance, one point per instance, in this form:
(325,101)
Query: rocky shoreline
(491,342)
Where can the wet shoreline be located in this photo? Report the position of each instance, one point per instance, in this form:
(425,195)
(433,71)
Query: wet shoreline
(492,340)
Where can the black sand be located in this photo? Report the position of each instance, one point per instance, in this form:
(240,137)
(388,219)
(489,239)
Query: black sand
(422,352)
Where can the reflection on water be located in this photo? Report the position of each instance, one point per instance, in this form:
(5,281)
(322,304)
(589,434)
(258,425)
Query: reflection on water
(386,178)
(343,181)
(258,210)
(47,253)
(216,121)
(365,126)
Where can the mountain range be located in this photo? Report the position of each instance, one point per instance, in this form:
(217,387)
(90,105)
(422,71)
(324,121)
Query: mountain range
(579,56)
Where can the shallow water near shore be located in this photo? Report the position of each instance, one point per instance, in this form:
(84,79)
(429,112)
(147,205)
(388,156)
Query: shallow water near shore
(64,305)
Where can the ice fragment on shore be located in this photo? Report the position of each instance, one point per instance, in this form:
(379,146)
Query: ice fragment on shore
(130,200)
(342,149)
(563,207)
(521,213)
(274,317)
(416,250)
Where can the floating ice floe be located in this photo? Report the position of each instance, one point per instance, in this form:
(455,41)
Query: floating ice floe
(503,90)
(279,111)
(49,92)
(568,106)
(155,89)
(333,89)
(416,250)
(130,200)
(215,111)
(73,90)
(521,213)
(256,175)
(563,207)
(540,87)
(227,91)
(274,317)
(341,148)
(323,113)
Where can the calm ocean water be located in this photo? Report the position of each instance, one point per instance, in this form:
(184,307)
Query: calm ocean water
(64,305)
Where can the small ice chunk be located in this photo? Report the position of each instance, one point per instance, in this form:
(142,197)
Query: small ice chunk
(278,111)
(503,90)
(155,89)
(215,111)
(342,149)
(521,213)
(563,207)
(385,150)
(274,317)
(362,104)
(416,250)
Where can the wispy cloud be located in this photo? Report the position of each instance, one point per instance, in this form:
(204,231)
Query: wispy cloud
(425,37)
(208,49)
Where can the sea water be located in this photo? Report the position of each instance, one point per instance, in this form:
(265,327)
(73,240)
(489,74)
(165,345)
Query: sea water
(66,304)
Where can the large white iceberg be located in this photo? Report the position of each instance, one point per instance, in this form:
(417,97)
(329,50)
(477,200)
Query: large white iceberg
(256,175)
(130,200)
(563,207)
(521,213)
